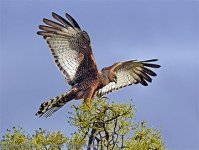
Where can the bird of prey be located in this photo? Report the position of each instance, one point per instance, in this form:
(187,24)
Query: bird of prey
(72,52)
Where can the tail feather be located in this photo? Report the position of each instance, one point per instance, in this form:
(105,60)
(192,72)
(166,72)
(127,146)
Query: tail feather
(49,107)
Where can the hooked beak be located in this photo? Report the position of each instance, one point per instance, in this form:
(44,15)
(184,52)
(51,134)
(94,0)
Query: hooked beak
(115,80)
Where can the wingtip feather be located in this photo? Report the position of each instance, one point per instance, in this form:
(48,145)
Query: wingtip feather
(53,13)
(73,21)
(150,60)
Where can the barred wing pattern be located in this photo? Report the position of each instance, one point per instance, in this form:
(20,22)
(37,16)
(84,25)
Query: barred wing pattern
(70,47)
(128,73)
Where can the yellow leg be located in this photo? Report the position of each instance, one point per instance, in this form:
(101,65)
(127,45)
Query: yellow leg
(87,104)
(88,97)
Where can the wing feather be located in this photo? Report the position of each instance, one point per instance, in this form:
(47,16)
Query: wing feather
(128,73)
(70,47)
(74,23)
(62,20)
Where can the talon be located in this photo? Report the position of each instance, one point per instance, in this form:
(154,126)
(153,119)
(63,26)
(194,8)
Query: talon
(87,104)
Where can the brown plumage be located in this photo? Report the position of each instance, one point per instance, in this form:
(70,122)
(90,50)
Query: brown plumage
(72,52)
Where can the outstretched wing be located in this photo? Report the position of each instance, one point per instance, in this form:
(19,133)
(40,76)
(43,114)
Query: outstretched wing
(70,47)
(128,73)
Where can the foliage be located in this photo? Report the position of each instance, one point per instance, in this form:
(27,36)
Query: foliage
(41,140)
(145,139)
(106,125)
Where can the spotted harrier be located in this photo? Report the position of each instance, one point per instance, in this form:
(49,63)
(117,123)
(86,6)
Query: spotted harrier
(72,52)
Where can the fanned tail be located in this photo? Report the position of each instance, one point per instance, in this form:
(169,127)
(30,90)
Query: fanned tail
(49,107)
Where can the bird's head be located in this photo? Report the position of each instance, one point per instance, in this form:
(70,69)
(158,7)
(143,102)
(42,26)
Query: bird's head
(110,75)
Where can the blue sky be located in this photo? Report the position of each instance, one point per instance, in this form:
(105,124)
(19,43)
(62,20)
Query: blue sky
(119,30)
